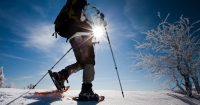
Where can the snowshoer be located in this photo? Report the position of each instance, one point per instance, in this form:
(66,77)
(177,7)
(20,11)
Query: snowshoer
(81,17)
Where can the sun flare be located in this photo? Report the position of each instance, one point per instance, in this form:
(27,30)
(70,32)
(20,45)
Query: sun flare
(98,32)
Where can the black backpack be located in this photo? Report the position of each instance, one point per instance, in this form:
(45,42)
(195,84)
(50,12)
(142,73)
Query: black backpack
(71,10)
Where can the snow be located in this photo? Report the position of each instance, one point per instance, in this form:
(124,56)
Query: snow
(12,96)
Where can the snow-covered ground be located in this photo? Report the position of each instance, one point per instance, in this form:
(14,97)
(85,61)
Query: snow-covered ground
(11,96)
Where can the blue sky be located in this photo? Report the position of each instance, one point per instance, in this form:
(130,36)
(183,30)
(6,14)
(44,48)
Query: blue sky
(28,51)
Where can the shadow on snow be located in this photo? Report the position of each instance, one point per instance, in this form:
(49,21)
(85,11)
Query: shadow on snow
(17,98)
(42,100)
(182,98)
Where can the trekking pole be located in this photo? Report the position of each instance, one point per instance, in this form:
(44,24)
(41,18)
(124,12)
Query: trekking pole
(114,61)
(52,67)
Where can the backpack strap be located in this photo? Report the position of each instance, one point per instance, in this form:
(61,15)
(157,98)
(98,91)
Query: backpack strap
(81,34)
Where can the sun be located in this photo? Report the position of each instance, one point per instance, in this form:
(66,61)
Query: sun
(98,32)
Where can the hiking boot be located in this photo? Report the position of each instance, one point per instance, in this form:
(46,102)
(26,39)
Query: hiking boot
(65,73)
(87,93)
(59,79)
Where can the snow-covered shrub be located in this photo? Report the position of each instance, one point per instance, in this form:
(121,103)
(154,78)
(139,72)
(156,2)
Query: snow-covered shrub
(11,85)
(30,86)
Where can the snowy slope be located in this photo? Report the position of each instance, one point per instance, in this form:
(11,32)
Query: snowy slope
(11,96)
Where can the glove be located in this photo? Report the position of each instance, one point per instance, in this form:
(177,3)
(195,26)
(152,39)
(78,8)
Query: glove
(104,23)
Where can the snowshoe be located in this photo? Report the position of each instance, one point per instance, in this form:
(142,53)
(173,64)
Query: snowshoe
(49,93)
(88,97)
(57,80)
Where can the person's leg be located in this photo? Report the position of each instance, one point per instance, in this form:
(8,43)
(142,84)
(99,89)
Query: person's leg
(88,70)
(84,54)
(64,74)
(88,73)
(70,70)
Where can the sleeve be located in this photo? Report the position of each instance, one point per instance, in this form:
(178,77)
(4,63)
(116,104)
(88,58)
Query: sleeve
(91,13)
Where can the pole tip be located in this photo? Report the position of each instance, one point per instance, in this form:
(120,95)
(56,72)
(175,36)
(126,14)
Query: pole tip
(123,94)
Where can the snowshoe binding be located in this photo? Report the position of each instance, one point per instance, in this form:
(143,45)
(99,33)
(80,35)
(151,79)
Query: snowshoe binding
(57,79)
(87,93)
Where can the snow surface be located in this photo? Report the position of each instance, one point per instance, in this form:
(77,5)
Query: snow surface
(12,96)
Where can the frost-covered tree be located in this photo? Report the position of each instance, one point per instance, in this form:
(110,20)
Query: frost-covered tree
(1,77)
(176,54)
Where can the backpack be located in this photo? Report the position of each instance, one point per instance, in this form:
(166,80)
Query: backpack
(71,10)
